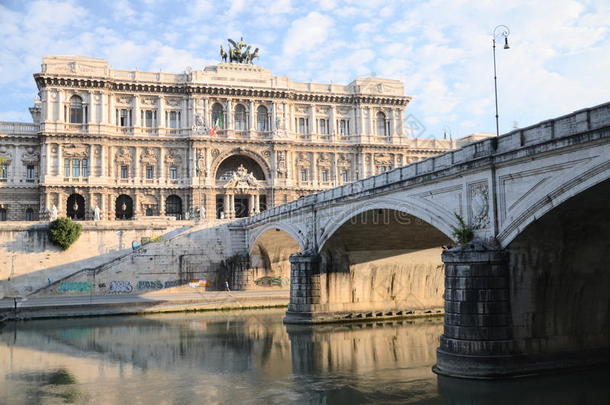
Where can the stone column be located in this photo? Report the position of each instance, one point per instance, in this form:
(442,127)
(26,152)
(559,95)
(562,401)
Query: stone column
(371,124)
(304,288)
(252,119)
(60,160)
(161,163)
(257,203)
(111,115)
(333,121)
(161,122)
(136,165)
(102,161)
(136,112)
(272,124)
(477,340)
(252,204)
(111,174)
(312,120)
(225,205)
(229,123)
(231,206)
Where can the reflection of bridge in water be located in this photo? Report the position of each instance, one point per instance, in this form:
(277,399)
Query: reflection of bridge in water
(530,295)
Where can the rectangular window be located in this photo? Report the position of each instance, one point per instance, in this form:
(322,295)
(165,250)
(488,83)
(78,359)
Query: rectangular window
(149,118)
(3,171)
(150,172)
(323,126)
(124,119)
(344,176)
(66,167)
(304,175)
(303,126)
(75,168)
(30,172)
(174,119)
(85,165)
(173,173)
(325,176)
(124,172)
(344,127)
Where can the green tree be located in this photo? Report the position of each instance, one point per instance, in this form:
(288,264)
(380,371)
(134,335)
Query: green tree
(63,232)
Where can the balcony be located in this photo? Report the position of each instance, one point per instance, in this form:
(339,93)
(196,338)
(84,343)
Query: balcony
(18,128)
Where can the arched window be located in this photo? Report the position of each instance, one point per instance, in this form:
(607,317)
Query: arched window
(29,214)
(240,118)
(381,124)
(262,119)
(2,214)
(76,110)
(173,206)
(218,116)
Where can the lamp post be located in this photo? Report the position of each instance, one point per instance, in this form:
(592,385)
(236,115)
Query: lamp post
(499,31)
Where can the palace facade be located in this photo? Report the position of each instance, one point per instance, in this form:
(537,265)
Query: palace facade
(224,142)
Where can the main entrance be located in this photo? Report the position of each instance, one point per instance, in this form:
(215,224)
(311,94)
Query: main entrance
(241,206)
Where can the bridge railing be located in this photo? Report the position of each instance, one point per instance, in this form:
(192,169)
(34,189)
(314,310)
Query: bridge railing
(581,121)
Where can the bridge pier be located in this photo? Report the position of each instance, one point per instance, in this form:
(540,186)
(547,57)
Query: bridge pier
(477,339)
(304,288)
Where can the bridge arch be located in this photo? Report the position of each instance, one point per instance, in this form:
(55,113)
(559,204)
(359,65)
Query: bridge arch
(548,196)
(270,249)
(558,272)
(442,221)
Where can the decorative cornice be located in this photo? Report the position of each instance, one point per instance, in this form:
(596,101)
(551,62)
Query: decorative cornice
(43,81)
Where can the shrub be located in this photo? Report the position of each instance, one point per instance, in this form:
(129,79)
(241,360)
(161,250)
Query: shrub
(463,232)
(63,232)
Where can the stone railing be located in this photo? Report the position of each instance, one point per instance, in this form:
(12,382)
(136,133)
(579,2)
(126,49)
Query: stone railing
(582,121)
(18,128)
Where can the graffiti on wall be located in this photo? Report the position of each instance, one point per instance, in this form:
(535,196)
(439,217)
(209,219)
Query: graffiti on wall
(74,286)
(157,284)
(269,281)
(119,287)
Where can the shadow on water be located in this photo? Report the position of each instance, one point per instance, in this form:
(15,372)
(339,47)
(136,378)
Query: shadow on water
(250,357)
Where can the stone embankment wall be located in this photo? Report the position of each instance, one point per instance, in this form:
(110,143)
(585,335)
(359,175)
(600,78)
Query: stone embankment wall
(30,264)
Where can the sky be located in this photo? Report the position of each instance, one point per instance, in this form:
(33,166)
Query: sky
(558,61)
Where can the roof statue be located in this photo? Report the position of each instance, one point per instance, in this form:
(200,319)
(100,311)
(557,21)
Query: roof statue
(238,52)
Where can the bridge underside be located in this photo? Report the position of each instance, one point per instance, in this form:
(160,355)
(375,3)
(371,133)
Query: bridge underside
(379,264)
(542,304)
(269,264)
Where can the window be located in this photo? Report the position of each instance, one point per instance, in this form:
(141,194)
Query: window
(149,118)
(382,124)
(29,214)
(124,117)
(173,173)
(124,172)
(3,171)
(76,110)
(381,169)
(344,176)
(30,172)
(240,118)
(85,166)
(325,176)
(174,119)
(75,168)
(2,214)
(303,125)
(218,116)
(262,119)
(304,174)
(66,167)
(150,172)
(344,127)
(323,126)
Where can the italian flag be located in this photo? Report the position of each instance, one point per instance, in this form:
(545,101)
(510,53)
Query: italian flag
(216,127)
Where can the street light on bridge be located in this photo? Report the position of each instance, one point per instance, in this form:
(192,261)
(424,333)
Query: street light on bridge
(499,31)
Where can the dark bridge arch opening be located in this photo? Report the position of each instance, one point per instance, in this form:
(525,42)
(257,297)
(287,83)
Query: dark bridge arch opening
(383,261)
(269,259)
(560,278)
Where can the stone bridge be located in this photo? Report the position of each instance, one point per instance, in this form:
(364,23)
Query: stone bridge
(531,292)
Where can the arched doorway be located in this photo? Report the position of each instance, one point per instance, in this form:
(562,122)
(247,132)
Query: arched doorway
(124,207)
(76,207)
(241,179)
(173,206)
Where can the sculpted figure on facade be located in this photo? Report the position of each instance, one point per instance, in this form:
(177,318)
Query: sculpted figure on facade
(96,213)
(53,213)
(123,156)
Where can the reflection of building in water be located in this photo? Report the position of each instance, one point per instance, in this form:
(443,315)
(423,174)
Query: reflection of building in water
(231,138)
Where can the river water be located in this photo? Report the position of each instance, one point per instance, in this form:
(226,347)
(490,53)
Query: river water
(250,357)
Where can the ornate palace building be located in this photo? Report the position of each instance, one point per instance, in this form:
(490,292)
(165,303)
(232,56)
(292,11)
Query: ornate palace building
(227,141)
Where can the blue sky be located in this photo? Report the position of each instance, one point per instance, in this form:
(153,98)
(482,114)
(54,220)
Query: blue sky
(559,59)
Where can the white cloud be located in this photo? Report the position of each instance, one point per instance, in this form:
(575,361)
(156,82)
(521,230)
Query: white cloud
(307,33)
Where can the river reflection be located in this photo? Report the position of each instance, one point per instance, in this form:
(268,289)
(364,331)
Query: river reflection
(249,358)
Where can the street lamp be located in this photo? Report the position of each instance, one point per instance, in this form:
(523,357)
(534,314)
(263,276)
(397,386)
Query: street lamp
(499,31)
